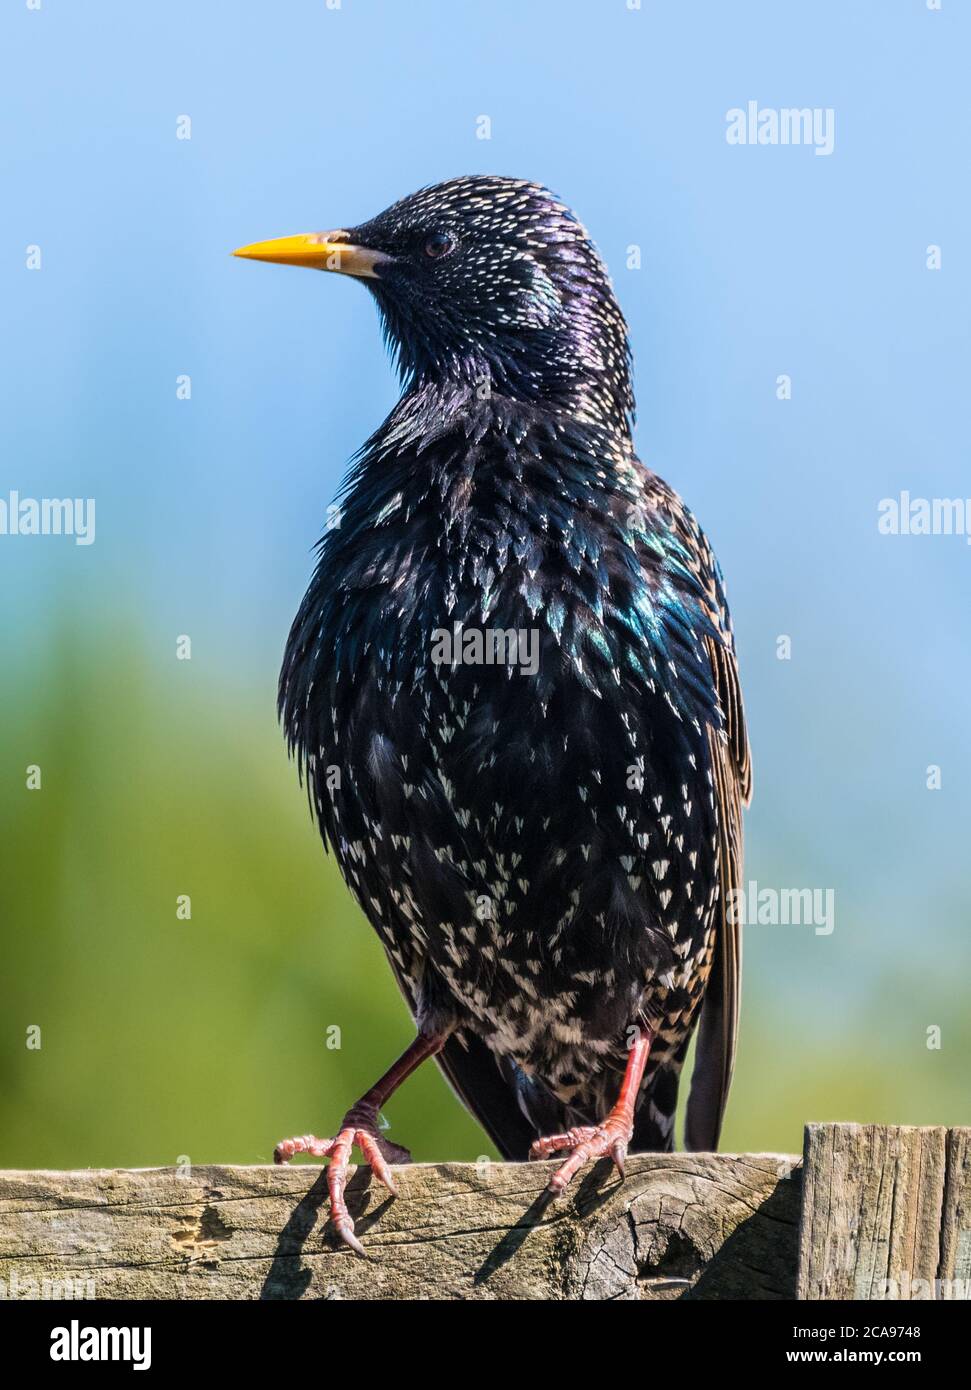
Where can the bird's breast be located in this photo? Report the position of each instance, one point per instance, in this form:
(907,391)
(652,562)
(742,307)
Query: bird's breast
(506,736)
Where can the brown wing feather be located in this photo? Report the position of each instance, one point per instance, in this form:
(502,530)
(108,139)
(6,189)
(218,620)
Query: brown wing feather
(718,1030)
(732,773)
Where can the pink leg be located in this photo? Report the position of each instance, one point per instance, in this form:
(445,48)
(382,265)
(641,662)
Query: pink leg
(612,1136)
(360,1126)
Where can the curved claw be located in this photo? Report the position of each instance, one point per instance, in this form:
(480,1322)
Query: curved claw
(618,1152)
(586,1142)
(376,1150)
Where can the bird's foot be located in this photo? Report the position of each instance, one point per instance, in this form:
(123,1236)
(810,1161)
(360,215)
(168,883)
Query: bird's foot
(360,1127)
(586,1142)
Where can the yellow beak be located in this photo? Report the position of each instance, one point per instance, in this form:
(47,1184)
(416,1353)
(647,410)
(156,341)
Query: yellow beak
(318,251)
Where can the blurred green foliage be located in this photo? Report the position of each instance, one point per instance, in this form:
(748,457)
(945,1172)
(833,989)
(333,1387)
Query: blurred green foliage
(208,1038)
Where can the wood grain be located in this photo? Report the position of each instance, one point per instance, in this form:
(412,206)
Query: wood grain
(679,1226)
(885,1213)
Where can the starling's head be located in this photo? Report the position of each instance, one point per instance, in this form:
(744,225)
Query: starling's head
(487,282)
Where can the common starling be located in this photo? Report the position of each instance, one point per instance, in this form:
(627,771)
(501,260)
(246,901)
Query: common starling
(512,690)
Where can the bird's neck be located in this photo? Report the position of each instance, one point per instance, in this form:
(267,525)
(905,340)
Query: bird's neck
(473,392)
(445,445)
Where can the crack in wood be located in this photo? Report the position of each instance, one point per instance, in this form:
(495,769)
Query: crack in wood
(875,1201)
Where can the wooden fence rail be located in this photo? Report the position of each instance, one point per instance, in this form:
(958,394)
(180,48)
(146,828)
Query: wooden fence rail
(868,1212)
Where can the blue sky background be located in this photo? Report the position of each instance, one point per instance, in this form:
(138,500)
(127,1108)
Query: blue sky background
(754,262)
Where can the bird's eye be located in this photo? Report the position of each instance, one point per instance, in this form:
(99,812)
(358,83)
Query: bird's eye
(439,244)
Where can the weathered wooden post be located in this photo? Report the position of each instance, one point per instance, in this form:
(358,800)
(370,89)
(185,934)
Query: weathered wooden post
(885,1213)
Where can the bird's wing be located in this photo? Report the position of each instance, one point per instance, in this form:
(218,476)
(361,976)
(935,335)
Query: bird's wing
(732,774)
(717,1031)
